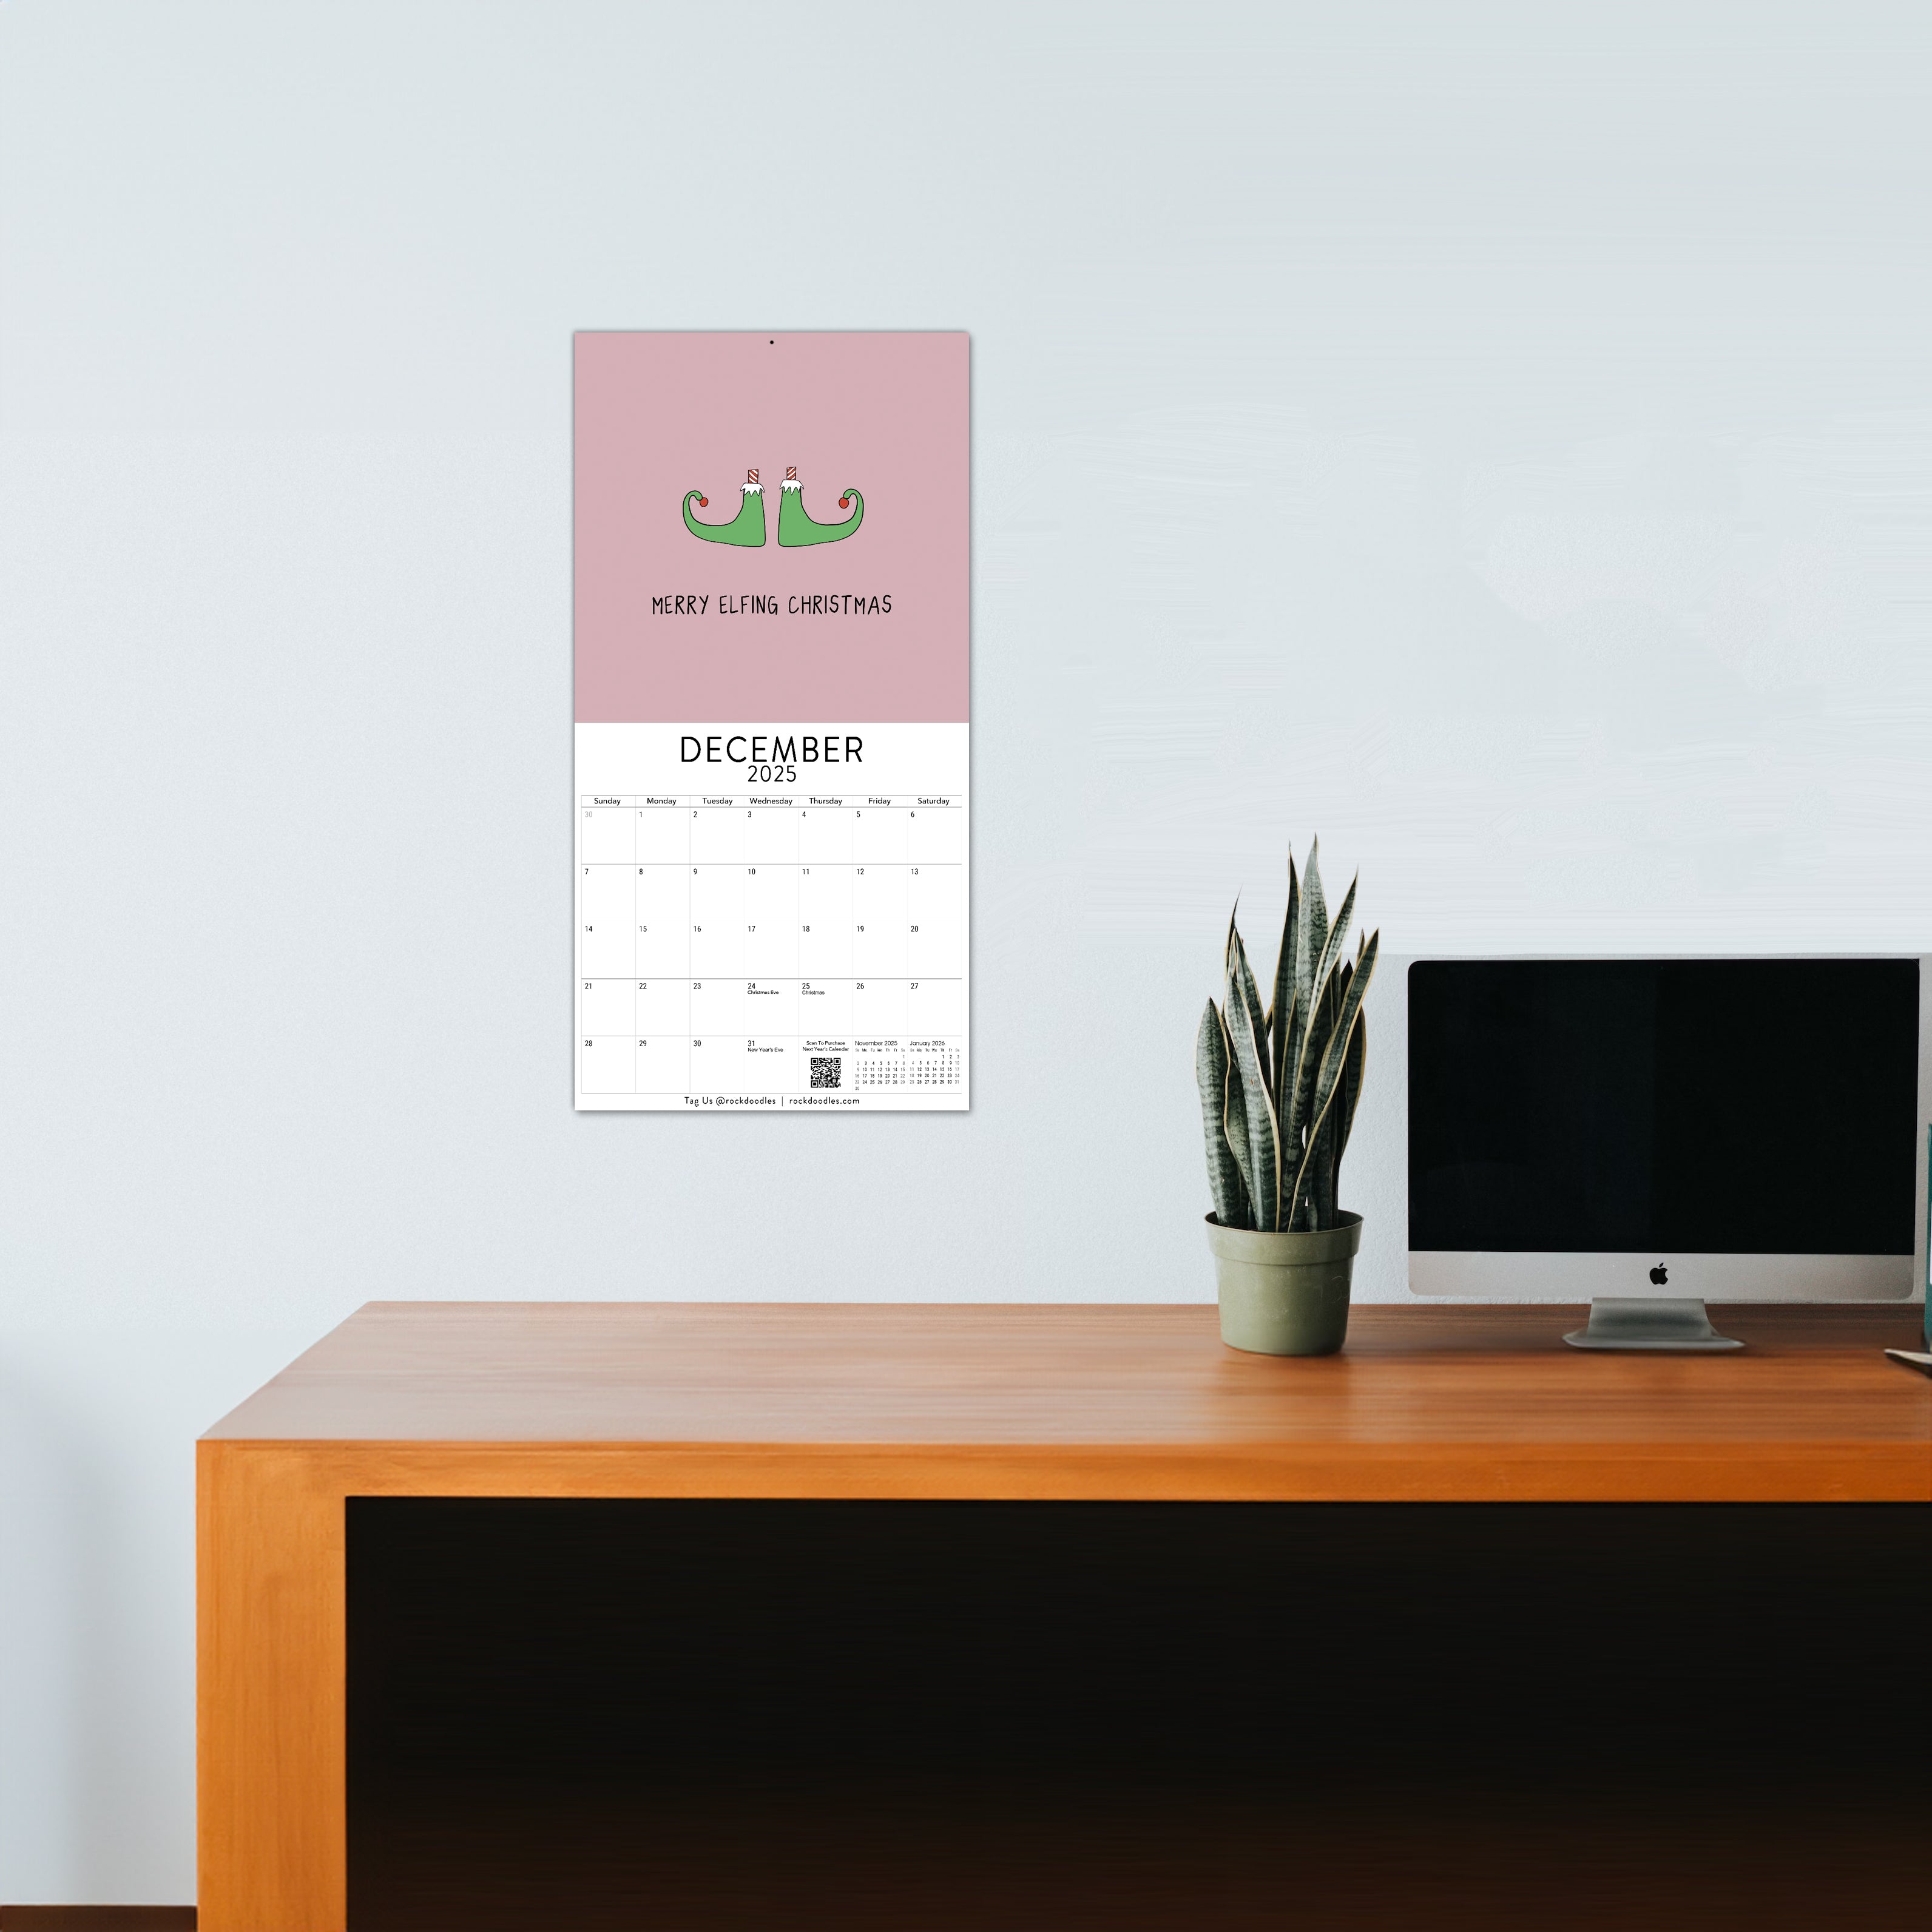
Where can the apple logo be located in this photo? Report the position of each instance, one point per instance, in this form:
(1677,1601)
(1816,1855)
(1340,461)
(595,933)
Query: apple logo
(1659,1274)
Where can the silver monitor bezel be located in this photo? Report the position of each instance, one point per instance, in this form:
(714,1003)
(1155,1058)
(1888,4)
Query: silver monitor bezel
(1517,1275)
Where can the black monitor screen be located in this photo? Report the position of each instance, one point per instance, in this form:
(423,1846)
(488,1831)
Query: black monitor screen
(1691,1106)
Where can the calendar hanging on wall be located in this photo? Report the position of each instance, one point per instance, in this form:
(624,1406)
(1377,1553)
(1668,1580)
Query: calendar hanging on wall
(772,848)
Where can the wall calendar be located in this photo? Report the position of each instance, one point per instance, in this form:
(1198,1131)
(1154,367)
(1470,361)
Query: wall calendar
(772,849)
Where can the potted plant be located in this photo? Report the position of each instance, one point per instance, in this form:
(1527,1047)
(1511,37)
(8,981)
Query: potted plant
(1278,1091)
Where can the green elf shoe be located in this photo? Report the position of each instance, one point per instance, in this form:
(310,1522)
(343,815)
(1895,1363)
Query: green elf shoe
(795,528)
(747,529)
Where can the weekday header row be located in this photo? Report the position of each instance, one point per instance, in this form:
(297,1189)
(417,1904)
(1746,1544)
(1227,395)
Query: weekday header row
(781,801)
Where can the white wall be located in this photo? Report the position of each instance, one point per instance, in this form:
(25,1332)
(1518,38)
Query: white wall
(1500,438)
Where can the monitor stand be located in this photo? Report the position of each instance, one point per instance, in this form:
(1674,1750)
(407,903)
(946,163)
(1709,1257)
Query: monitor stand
(1672,1323)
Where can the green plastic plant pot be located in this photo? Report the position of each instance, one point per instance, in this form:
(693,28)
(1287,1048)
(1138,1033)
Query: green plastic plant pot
(1285,1294)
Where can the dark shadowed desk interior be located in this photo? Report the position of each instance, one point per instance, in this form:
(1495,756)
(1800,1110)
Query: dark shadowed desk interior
(689,1615)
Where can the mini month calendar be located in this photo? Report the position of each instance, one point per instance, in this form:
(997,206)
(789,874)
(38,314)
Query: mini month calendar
(771,850)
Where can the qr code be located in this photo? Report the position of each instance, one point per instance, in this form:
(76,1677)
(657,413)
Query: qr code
(825,1069)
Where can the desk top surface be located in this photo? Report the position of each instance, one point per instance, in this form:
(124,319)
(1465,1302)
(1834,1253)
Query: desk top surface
(1460,1387)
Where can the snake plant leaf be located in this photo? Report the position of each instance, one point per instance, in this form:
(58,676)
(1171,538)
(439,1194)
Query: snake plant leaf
(1332,947)
(1210,1070)
(1353,1069)
(1329,992)
(1338,983)
(1354,1065)
(1235,1116)
(1334,1058)
(1264,1171)
(1318,1206)
(1241,977)
(1311,936)
(1228,955)
(1283,1010)
(1315,925)
(1298,1081)
(1315,1207)
(1329,986)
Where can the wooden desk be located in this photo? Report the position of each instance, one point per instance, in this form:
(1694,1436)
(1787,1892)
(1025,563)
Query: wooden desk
(1036,1403)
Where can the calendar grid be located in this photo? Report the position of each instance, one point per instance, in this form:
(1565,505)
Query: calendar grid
(751,943)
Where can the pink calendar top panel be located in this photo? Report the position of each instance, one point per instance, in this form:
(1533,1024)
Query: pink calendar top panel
(771,526)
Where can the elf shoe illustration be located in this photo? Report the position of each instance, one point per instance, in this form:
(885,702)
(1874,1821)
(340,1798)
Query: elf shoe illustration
(747,529)
(795,528)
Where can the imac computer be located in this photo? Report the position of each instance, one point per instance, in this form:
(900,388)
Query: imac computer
(1650,1134)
